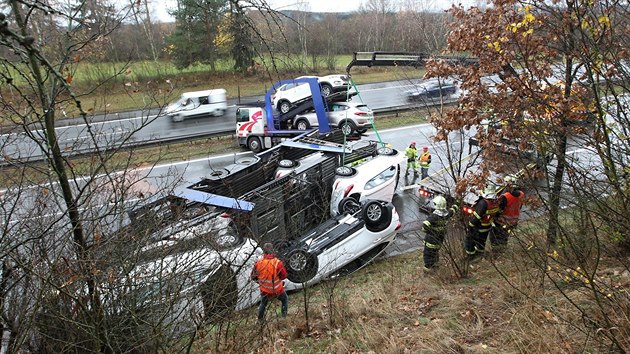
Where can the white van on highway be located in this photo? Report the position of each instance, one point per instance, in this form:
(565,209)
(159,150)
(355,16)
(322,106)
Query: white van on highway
(198,104)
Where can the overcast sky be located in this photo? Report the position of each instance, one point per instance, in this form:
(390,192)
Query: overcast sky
(161,7)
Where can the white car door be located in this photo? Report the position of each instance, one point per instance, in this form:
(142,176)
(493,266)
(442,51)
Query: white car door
(336,114)
(203,106)
(382,186)
(302,91)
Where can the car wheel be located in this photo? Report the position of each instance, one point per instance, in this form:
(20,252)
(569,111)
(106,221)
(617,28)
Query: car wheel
(219,112)
(347,127)
(349,205)
(376,215)
(385,151)
(344,171)
(217,294)
(254,145)
(284,106)
(227,241)
(281,247)
(286,163)
(326,90)
(302,125)
(219,173)
(301,266)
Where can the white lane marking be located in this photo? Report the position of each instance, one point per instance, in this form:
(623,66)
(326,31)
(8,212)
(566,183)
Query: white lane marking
(388,88)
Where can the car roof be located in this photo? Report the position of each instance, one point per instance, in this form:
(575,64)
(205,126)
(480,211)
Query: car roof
(203,93)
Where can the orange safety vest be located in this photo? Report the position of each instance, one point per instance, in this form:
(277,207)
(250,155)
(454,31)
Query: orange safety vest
(512,210)
(268,279)
(424,159)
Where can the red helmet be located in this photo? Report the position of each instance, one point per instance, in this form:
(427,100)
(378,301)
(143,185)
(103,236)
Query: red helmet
(425,148)
(413,143)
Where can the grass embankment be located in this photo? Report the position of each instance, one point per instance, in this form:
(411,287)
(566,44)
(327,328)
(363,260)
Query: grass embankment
(391,306)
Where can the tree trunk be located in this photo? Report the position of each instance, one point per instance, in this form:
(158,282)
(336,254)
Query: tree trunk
(58,164)
(148,29)
(556,189)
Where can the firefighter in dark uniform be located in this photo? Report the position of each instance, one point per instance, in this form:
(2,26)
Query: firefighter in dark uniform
(481,222)
(435,227)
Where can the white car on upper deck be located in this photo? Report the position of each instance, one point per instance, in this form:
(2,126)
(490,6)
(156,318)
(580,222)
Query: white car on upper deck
(288,94)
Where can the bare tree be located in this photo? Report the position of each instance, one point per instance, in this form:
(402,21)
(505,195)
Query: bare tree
(142,17)
(546,75)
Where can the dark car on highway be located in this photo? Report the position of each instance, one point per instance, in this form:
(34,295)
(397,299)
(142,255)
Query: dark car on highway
(428,91)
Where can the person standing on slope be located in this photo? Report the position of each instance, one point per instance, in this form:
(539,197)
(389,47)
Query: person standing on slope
(435,227)
(269,272)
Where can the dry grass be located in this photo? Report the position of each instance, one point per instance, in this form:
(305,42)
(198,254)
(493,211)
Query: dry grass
(391,306)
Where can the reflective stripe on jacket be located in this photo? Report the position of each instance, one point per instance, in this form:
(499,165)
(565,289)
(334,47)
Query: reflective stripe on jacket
(425,159)
(511,212)
(485,211)
(269,279)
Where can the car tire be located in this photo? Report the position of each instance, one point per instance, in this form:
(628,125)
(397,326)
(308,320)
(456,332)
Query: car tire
(344,171)
(227,242)
(301,266)
(217,294)
(347,127)
(254,144)
(387,151)
(281,247)
(219,112)
(349,205)
(326,90)
(284,106)
(376,215)
(219,173)
(286,163)
(302,124)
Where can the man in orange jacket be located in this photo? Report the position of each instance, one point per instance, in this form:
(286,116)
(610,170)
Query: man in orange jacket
(510,204)
(270,273)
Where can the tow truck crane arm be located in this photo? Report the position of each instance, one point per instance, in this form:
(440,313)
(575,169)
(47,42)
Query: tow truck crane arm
(417,60)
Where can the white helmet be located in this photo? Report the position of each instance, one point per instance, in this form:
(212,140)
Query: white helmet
(490,192)
(510,179)
(439,202)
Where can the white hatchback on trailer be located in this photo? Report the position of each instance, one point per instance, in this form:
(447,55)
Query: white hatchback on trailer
(372,178)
